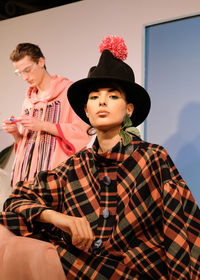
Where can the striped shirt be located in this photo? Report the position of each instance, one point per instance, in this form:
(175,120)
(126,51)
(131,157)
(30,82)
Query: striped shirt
(145,219)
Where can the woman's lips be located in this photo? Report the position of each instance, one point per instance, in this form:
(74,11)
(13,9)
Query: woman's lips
(102,113)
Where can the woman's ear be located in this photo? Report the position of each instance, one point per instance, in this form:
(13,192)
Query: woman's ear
(86,110)
(130,109)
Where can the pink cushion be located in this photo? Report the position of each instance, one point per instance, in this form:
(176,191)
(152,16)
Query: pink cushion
(23,258)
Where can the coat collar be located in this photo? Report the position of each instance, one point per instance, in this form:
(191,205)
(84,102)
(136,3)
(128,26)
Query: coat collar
(117,154)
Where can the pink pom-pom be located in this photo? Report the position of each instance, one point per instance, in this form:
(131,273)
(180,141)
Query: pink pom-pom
(115,45)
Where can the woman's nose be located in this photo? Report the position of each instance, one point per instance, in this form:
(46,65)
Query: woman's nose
(102,101)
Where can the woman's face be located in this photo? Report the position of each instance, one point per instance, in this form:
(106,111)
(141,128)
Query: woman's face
(106,108)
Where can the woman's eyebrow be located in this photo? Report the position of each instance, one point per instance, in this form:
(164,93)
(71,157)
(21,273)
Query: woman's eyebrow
(94,89)
(114,89)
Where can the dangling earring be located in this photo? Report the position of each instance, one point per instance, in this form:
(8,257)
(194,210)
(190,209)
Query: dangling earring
(127,129)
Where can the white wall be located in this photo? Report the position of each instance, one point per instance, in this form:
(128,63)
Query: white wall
(69,37)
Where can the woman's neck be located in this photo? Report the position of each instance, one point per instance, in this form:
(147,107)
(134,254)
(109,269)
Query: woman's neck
(107,140)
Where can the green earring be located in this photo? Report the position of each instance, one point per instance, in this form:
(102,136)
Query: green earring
(127,129)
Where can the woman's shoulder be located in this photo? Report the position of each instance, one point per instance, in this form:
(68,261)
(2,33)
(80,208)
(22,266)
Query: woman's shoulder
(78,156)
(148,147)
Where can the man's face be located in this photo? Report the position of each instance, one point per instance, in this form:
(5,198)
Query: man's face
(29,70)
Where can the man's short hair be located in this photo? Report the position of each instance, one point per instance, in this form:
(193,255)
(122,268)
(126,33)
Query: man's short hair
(24,49)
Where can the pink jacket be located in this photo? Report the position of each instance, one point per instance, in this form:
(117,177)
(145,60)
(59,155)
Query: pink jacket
(38,151)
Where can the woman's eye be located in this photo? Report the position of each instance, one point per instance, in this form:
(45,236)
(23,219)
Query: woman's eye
(93,97)
(114,97)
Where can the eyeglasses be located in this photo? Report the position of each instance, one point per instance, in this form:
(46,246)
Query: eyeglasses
(28,69)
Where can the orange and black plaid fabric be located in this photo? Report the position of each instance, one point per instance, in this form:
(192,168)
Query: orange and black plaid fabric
(146,222)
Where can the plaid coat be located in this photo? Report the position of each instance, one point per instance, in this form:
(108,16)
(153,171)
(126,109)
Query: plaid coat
(145,220)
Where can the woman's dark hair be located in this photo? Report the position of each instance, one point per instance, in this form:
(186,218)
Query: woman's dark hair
(91,131)
(108,84)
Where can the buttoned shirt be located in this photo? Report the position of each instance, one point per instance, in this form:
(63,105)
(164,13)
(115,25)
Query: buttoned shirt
(145,220)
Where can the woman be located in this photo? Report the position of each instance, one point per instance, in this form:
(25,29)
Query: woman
(119,210)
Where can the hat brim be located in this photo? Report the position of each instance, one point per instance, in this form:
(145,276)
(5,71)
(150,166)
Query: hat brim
(136,94)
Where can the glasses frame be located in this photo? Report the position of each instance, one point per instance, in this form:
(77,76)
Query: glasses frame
(25,71)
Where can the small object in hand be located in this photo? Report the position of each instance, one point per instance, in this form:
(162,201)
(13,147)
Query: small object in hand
(14,120)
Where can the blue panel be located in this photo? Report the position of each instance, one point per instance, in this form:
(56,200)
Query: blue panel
(172,78)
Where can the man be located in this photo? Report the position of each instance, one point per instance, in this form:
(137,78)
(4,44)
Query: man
(50,131)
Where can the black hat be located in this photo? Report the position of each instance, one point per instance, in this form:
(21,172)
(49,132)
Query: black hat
(111,69)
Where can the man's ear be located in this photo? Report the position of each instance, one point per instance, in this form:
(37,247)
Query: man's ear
(41,62)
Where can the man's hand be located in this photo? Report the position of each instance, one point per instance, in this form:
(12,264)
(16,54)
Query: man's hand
(36,124)
(11,127)
(31,123)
